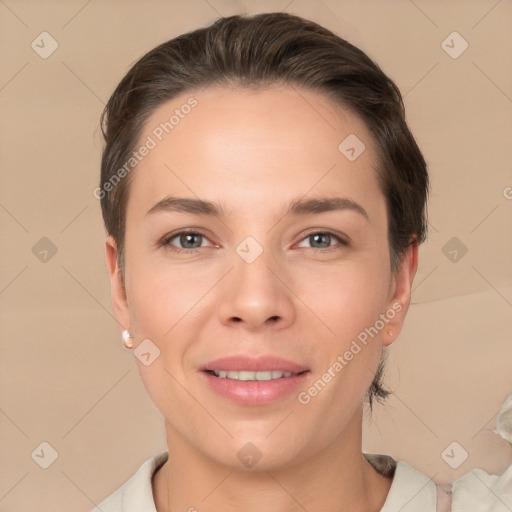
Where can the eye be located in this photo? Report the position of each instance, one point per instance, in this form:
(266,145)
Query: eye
(324,239)
(190,240)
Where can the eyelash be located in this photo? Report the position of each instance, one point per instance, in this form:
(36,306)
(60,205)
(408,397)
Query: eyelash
(165,242)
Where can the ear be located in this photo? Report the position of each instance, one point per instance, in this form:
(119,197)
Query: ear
(117,288)
(400,294)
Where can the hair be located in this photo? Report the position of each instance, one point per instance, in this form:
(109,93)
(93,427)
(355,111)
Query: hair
(256,52)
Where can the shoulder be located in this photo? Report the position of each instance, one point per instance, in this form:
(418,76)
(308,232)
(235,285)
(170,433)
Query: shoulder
(411,490)
(480,491)
(136,493)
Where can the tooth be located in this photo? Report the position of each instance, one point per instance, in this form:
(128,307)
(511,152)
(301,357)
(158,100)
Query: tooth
(246,375)
(243,375)
(264,375)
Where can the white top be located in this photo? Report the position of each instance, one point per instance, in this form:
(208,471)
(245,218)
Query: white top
(411,491)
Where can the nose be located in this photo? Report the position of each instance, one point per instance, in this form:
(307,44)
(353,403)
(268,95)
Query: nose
(255,294)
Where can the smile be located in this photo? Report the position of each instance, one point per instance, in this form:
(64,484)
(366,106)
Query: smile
(257,376)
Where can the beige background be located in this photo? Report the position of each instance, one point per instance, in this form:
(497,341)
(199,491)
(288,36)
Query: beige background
(65,378)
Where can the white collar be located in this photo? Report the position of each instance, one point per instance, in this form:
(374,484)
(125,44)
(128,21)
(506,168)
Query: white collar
(410,490)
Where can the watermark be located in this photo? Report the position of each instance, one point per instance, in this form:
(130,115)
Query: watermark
(454,455)
(146,352)
(249,455)
(454,45)
(44,455)
(304,397)
(44,250)
(44,45)
(249,249)
(454,249)
(151,142)
(352,147)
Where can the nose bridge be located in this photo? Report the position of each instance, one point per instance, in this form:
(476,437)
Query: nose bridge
(255,292)
(252,272)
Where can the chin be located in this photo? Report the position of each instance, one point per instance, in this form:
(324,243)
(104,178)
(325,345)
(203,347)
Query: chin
(258,454)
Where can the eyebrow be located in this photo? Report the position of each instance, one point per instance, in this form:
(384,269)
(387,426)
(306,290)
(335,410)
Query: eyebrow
(296,207)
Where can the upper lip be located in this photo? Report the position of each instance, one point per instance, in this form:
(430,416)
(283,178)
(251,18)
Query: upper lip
(253,364)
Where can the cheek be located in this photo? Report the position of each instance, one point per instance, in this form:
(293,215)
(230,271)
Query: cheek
(348,297)
(161,290)
(158,301)
(349,301)
(168,306)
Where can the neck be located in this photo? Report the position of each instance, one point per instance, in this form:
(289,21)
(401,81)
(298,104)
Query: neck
(337,478)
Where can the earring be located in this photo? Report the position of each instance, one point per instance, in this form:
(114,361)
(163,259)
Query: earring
(127,339)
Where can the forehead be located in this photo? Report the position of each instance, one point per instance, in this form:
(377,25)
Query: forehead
(253,147)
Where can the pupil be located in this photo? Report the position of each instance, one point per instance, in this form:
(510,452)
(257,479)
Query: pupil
(186,238)
(321,235)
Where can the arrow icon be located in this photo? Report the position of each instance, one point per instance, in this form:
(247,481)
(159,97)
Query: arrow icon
(351,147)
(44,45)
(249,455)
(454,455)
(44,455)
(44,250)
(146,352)
(454,249)
(454,45)
(249,253)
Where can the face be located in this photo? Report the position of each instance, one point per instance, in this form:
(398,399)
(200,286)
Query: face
(284,266)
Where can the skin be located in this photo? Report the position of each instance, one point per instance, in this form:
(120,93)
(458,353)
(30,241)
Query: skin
(255,152)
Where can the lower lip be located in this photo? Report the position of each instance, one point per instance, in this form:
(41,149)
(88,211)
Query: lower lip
(252,392)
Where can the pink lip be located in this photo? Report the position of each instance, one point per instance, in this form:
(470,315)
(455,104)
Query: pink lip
(254,392)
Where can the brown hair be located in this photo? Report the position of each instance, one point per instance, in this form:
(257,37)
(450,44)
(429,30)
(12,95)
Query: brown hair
(258,51)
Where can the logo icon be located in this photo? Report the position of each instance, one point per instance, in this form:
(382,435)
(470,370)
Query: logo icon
(249,249)
(146,352)
(44,45)
(351,147)
(45,455)
(454,45)
(454,249)
(249,455)
(454,455)
(44,250)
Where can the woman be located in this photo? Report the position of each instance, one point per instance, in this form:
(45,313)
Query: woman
(231,151)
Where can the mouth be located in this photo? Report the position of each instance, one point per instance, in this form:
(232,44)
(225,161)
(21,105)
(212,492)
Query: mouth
(253,376)
(254,380)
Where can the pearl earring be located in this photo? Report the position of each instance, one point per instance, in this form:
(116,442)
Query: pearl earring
(127,339)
